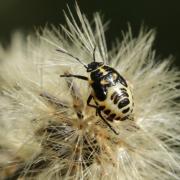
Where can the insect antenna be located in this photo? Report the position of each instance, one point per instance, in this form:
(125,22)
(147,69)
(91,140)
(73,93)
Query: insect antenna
(94,54)
(94,50)
(76,58)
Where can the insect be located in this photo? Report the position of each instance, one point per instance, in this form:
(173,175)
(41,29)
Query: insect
(110,91)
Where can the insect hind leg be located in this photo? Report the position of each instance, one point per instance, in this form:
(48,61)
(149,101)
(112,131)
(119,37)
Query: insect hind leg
(98,112)
(105,121)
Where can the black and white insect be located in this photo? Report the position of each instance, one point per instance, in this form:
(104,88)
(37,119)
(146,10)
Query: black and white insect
(110,91)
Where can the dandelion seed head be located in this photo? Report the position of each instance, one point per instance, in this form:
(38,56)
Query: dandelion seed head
(47,125)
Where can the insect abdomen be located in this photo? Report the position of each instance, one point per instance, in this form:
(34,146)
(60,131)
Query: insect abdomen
(118,104)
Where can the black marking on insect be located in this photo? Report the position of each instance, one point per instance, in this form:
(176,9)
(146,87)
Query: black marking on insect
(123,103)
(125,110)
(110,91)
(111,117)
(107,111)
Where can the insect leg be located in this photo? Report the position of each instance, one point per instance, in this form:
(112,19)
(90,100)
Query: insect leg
(94,58)
(99,113)
(76,76)
(89,100)
(91,105)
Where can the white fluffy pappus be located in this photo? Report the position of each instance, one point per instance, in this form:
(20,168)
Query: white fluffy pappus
(47,131)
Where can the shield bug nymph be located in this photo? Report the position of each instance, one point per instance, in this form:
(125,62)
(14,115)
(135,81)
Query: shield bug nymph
(110,91)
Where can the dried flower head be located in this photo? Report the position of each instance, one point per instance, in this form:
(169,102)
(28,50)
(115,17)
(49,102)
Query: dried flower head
(47,131)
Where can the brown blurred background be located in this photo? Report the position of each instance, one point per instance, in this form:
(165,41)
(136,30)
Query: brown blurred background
(163,15)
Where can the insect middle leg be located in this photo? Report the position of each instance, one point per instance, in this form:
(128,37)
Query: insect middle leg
(91,105)
(98,112)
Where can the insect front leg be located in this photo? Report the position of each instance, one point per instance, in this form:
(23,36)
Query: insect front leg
(75,76)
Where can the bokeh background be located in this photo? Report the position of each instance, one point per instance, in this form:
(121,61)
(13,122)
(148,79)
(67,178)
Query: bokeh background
(163,15)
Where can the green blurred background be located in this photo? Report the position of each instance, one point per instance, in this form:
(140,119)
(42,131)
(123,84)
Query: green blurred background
(163,15)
